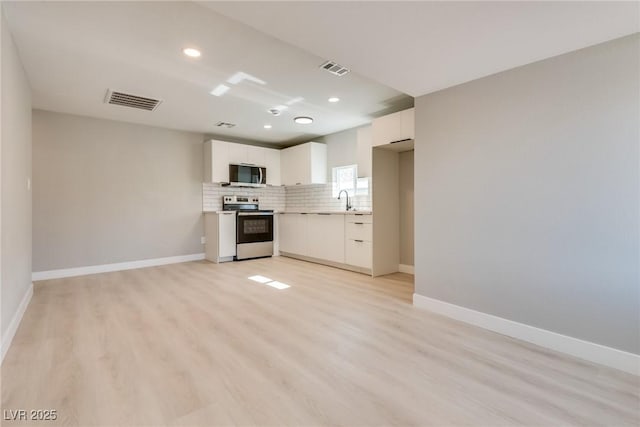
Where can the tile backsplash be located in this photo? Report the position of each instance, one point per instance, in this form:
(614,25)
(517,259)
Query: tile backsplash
(319,197)
(270,197)
(314,197)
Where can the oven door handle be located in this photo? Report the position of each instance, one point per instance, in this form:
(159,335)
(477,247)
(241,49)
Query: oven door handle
(255,213)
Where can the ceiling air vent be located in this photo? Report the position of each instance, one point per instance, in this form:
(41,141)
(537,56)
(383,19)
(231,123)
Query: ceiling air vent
(225,125)
(334,68)
(133,101)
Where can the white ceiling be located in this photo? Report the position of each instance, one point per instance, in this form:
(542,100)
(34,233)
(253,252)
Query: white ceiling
(420,47)
(74,51)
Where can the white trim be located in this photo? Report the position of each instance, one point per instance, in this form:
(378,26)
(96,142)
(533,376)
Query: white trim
(405,268)
(104,268)
(15,321)
(592,352)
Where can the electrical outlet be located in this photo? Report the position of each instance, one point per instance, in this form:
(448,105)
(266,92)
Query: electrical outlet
(203,240)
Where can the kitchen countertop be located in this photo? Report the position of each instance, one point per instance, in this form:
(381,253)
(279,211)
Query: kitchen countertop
(328,212)
(305,212)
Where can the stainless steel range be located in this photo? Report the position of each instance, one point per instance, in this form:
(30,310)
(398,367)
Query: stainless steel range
(254,227)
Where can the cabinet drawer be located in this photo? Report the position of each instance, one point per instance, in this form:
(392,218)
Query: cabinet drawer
(355,218)
(358,253)
(359,231)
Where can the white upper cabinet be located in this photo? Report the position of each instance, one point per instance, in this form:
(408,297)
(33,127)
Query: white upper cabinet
(238,153)
(256,155)
(218,155)
(394,127)
(364,144)
(272,163)
(216,161)
(304,164)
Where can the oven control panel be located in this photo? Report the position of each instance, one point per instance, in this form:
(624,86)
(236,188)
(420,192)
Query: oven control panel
(240,199)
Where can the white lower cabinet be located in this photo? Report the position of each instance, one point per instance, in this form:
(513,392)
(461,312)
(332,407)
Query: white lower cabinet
(358,253)
(335,238)
(220,235)
(359,232)
(325,234)
(292,233)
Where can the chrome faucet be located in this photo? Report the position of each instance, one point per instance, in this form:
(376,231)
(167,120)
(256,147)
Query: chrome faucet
(347,193)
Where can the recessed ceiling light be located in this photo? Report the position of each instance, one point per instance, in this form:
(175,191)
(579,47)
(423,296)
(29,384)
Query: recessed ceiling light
(334,99)
(267,126)
(302,120)
(194,53)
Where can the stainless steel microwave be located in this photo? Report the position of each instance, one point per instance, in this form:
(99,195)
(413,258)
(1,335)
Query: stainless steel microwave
(245,175)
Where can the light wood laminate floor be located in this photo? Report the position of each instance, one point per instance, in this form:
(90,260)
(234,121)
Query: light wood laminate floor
(200,344)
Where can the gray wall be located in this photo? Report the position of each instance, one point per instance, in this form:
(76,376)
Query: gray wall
(107,192)
(527,194)
(342,149)
(406,207)
(15,259)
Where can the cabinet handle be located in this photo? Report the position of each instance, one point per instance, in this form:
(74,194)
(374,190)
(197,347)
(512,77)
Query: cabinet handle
(324,214)
(303,213)
(359,241)
(298,183)
(359,223)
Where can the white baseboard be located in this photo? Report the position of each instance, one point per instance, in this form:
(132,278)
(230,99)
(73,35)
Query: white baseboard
(586,350)
(105,268)
(405,268)
(15,322)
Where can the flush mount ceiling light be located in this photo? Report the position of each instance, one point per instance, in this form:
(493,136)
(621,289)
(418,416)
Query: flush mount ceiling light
(193,53)
(267,126)
(303,120)
(334,99)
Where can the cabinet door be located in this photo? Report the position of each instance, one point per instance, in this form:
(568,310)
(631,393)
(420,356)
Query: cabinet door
(226,234)
(256,155)
(293,233)
(219,161)
(290,166)
(394,127)
(238,153)
(304,164)
(316,157)
(333,240)
(285,232)
(408,124)
(315,236)
(358,253)
(272,163)
(364,152)
(285,171)
(300,165)
(325,237)
(386,129)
